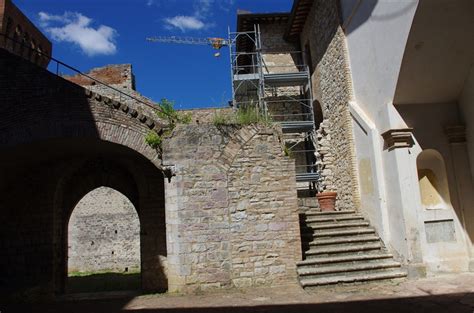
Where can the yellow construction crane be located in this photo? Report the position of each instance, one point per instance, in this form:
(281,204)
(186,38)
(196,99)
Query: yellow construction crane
(215,42)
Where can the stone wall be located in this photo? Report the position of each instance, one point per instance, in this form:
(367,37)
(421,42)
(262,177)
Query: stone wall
(104,233)
(332,88)
(265,240)
(206,116)
(231,208)
(271,35)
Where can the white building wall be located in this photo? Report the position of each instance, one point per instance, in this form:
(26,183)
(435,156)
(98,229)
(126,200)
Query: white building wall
(376,35)
(447,252)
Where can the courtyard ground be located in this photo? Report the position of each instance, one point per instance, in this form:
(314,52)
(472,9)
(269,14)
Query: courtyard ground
(450,293)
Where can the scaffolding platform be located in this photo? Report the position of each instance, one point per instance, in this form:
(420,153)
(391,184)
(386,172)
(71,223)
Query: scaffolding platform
(282,92)
(286,79)
(297,126)
(246,77)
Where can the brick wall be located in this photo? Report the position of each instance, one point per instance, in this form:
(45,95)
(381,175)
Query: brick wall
(16,25)
(38,105)
(122,80)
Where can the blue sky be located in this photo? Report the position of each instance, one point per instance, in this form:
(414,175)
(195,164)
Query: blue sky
(91,33)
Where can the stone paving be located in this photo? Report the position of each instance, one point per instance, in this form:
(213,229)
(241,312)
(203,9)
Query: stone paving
(450,293)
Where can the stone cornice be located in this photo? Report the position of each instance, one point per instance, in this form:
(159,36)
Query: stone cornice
(398,138)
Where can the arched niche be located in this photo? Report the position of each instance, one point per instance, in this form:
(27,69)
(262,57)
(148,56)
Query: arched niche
(433,180)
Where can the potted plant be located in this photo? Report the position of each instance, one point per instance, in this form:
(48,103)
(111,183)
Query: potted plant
(327,200)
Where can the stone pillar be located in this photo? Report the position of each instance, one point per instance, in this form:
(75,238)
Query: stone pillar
(403,198)
(176,276)
(464,185)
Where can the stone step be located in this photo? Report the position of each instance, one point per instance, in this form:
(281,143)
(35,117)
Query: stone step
(342,249)
(324,226)
(343,240)
(309,232)
(352,278)
(330,213)
(324,270)
(374,256)
(334,218)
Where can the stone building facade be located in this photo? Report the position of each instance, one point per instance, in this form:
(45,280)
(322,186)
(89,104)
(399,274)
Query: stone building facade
(323,35)
(218,205)
(371,140)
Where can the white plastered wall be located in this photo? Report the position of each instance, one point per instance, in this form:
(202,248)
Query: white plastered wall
(369,169)
(443,254)
(376,34)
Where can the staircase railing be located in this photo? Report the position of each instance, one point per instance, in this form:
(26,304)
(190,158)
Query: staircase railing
(57,64)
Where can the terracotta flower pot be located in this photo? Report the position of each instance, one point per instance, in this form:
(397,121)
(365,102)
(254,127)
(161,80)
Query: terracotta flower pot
(327,200)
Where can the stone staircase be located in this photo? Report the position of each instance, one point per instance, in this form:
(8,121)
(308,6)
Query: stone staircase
(341,247)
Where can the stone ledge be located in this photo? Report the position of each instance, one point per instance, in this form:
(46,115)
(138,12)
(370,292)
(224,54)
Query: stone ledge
(398,138)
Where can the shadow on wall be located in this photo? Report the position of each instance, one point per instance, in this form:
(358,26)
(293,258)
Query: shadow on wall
(104,282)
(357,12)
(57,144)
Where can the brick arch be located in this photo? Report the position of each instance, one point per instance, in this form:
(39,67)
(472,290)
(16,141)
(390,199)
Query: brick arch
(97,173)
(40,106)
(128,178)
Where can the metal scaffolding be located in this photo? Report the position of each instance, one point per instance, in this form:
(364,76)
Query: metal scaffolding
(281,92)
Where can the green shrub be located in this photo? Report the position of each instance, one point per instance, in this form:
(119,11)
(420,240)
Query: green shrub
(167,112)
(153,139)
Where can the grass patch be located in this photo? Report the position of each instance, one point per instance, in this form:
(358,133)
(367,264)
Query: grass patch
(243,116)
(79,282)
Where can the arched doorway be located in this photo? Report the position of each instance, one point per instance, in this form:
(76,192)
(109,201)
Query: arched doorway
(103,243)
(140,188)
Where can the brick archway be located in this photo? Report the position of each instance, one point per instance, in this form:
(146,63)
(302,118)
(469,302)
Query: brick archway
(141,187)
(40,106)
(59,141)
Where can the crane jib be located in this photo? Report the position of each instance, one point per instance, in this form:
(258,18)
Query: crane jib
(215,42)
